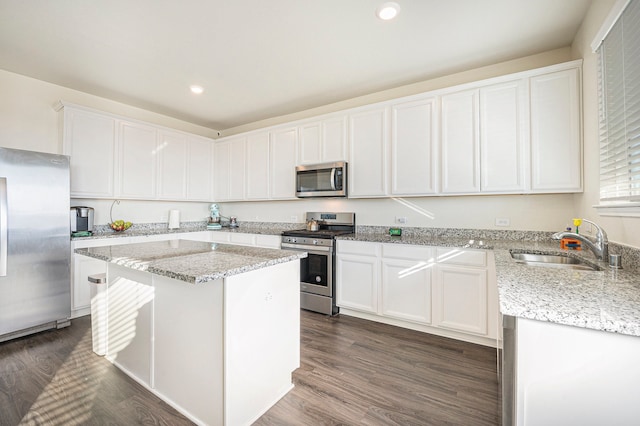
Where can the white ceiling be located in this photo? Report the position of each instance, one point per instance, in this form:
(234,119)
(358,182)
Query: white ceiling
(261,59)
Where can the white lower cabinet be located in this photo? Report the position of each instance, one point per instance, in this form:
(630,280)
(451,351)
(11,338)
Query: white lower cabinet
(81,268)
(406,290)
(360,277)
(461,293)
(461,299)
(449,292)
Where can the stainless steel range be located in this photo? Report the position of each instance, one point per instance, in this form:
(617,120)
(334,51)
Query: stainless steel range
(317,271)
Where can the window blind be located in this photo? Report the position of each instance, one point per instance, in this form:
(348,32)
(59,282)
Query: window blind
(619,95)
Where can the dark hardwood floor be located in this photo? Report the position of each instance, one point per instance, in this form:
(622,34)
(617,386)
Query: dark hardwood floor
(352,372)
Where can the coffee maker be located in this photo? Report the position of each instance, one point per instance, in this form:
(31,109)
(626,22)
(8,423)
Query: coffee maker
(81,219)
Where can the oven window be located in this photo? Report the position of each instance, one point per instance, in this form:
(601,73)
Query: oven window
(313,269)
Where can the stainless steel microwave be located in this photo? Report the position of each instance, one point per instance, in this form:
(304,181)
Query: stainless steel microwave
(322,180)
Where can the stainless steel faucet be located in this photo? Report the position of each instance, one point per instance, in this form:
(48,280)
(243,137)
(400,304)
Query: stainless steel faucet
(600,248)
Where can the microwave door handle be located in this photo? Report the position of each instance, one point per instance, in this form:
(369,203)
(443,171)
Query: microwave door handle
(333,178)
(4,246)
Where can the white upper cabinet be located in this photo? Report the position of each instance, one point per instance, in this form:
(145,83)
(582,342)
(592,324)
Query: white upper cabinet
(283,163)
(460,143)
(556,154)
(221,164)
(90,140)
(414,147)
(199,169)
(368,141)
(323,141)
(258,166)
(229,169)
(116,157)
(138,155)
(504,137)
(172,165)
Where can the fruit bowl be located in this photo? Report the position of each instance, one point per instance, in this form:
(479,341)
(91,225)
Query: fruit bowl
(120,225)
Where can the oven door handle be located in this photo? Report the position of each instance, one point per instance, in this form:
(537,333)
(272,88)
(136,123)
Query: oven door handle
(310,249)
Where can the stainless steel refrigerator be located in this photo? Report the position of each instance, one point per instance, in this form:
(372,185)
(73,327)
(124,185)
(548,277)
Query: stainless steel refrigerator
(34,242)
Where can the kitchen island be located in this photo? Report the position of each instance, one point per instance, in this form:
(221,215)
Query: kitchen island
(212,329)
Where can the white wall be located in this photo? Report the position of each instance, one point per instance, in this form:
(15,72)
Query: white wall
(621,230)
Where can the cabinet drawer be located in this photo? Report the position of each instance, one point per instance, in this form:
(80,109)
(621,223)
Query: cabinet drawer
(455,256)
(99,242)
(269,241)
(357,247)
(219,237)
(409,252)
(244,239)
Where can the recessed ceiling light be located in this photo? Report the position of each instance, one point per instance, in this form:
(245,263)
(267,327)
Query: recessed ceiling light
(387,11)
(196,89)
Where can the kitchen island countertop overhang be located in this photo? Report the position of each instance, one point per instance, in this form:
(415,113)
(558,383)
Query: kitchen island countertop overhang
(191,261)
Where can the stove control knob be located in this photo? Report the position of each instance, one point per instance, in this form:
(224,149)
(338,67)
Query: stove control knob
(315,242)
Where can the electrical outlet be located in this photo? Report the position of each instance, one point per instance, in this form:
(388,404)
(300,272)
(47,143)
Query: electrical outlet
(401,219)
(502,221)
(294,218)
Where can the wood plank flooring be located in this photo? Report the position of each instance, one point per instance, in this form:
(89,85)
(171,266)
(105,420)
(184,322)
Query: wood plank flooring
(357,372)
(353,372)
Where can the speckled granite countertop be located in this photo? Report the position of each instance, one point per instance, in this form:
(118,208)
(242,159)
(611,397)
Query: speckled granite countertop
(191,261)
(606,300)
(145,229)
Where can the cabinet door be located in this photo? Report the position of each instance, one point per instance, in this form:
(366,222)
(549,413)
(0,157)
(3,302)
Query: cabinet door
(504,137)
(460,144)
(461,297)
(334,140)
(406,290)
(258,166)
(368,153)
(323,141)
(556,155)
(229,158)
(357,280)
(221,172)
(83,266)
(309,145)
(199,169)
(237,156)
(283,164)
(413,148)
(90,141)
(138,149)
(172,166)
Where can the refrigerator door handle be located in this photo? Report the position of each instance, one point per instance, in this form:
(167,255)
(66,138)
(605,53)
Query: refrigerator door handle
(4,246)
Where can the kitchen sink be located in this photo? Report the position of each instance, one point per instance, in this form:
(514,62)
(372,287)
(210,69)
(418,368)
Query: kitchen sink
(553,261)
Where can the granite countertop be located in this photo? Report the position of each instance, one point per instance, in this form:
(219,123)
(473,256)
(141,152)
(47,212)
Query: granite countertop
(191,261)
(142,230)
(606,300)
